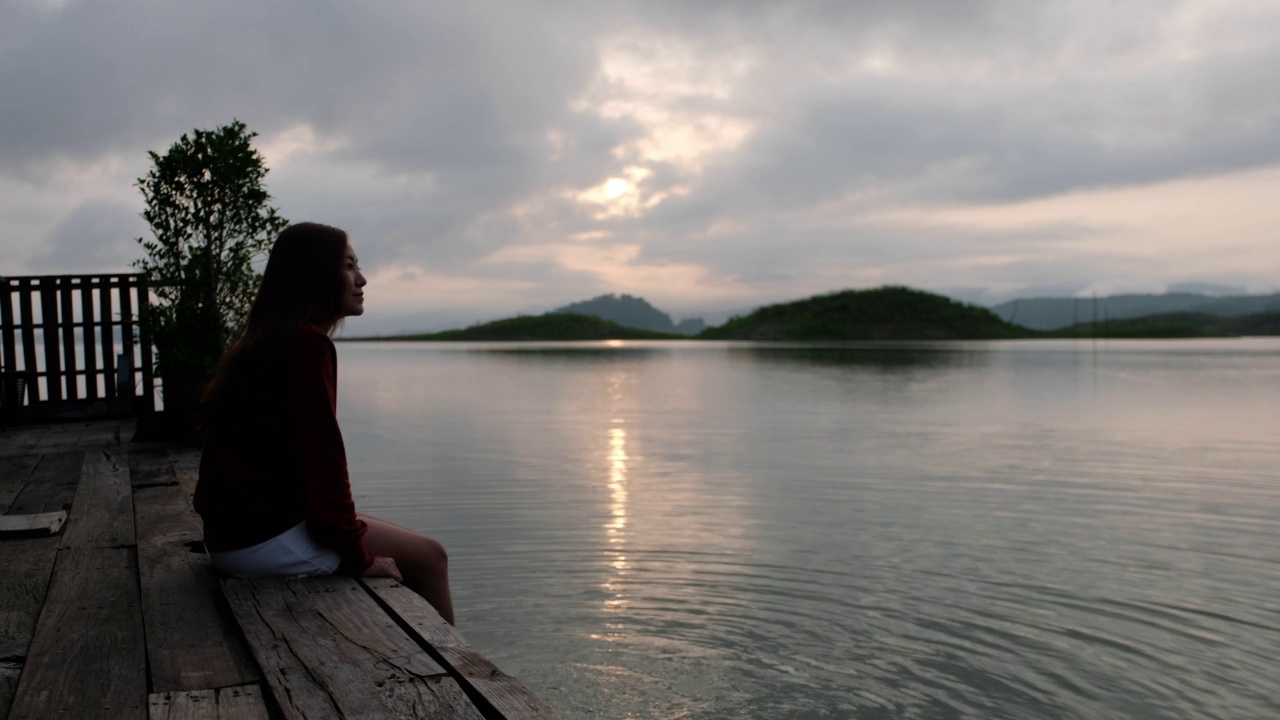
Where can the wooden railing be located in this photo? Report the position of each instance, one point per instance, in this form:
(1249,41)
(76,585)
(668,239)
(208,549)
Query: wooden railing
(75,345)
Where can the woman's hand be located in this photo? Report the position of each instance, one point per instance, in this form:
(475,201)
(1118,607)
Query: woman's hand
(383,567)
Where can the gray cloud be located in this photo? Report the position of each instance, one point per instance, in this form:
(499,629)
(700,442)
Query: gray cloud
(435,120)
(98,236)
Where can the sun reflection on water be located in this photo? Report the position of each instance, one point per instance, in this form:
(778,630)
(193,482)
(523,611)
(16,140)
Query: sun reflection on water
(616,529)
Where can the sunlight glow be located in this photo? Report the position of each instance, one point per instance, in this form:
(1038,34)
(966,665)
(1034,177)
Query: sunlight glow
(677,95)
(624,196)
(297,140)
(617,187)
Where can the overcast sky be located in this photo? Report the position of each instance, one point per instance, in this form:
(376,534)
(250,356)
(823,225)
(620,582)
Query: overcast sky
(489,158)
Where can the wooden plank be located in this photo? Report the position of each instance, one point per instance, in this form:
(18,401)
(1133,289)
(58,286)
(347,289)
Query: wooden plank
(126,334)
(105,433)
(34,525)
(144,336)
(52,484)
(8,338)
(185,459)
(89,339)
(21,440)
(14,471)
(328,650)
(108,338)
(60,438)
(87,658)
(506,697)
(102,511)
(27,566)
(193,641)
(28,328)
(231,703)
(186,468)
(49,337)
(66,318)
(150,465)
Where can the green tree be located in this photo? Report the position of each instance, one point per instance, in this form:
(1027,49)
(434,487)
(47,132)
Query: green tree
(208,212)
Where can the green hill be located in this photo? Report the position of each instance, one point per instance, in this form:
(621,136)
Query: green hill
(888,313)
(1176,325)
(551,326)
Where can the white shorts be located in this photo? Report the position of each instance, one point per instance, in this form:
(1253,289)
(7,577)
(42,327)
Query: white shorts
(292,552)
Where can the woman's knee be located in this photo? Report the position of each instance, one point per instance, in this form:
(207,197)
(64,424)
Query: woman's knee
(425,557)
(433,554)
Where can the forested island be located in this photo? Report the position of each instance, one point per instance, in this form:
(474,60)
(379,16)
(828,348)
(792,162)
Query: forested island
(885,313)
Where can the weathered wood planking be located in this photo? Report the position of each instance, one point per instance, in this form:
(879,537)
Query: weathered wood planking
(49,339)
(107,323)
(102,511)
(28,329)
(87,659)
(27,566)
(186,467)
(60,333)
(193,642)
(21,440)
(60,438)
(149,466)
(14,471)
(52,484)
(8,339)
(328,650)
(90,349)
(106,434)
(166,465)
(506,695)
(229,703)
(34,525)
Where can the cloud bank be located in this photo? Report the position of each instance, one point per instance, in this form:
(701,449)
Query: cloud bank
(490,157)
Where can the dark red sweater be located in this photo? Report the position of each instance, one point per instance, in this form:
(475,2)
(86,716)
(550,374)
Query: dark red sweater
(278,458)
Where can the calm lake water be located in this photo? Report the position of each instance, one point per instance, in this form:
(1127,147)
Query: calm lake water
(964,530)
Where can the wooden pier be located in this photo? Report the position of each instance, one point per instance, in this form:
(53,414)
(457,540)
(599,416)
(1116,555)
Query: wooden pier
(109,607)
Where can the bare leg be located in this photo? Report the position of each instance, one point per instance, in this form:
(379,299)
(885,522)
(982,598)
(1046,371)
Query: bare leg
(422,560)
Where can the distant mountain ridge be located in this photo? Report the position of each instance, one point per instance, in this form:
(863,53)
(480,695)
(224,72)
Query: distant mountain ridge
(887,313)
(1055,313)
(632,312)
(1176,325)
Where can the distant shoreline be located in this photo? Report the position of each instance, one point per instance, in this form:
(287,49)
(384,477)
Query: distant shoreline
(885,314)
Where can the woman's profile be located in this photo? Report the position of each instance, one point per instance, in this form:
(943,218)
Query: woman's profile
(274,491)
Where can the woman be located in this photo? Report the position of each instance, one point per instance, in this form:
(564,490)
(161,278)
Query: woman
(274,491)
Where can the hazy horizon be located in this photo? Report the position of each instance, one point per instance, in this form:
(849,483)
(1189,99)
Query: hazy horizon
(431,322)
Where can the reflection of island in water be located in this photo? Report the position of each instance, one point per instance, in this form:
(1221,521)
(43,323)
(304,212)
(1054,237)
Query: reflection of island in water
(868,356)
(881,356)
(610,351)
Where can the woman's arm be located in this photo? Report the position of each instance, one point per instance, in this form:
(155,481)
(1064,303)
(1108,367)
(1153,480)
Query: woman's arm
(330,510)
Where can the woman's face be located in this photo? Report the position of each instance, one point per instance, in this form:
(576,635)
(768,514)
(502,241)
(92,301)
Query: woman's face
(353,283)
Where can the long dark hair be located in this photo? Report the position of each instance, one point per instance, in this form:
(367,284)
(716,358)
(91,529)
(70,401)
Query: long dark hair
(302,284)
